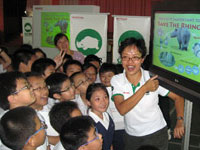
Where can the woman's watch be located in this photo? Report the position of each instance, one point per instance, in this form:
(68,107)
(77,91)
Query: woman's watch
(180,118)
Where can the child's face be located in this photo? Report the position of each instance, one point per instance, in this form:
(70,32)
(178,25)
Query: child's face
(94,140)
(30,62)
(23,96)
(40,90)
(91,74)
(106,77)
(96,64)
(40,136)
(72,69)
(99,102)
(67,91)
(81,83)
(48,71)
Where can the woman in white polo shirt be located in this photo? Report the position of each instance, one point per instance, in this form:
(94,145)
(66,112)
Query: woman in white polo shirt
(136,97)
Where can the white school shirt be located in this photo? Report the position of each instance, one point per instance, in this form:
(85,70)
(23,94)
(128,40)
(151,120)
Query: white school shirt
(81,105)
(113,112)
(105,122)
(146,117)
(58,146)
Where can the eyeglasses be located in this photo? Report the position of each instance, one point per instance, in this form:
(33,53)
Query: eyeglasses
(96,138)
(82,82)
(27,86)
(135,58)
(68,88)
(40,88)
(43,126)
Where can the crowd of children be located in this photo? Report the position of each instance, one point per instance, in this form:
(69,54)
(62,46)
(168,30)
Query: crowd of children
(63,103)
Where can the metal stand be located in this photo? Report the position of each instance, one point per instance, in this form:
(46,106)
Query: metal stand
(187,121)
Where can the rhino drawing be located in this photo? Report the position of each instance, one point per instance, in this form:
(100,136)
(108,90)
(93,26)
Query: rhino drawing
(88,42)
(183,37)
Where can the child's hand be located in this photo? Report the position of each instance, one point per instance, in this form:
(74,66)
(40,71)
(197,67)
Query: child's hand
(179,130)
(152,84)
(59,58)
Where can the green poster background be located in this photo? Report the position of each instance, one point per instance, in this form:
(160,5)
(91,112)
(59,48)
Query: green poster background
(183,61)
(53,23)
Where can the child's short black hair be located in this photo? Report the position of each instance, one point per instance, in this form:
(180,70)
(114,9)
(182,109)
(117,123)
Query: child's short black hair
(55,81)
(21,56)
(71,62)
(93,88)
(16,126)
(107,67)
(92,57)
(74,132)
(8,85)
(147,147)
(139,43)
(60,113)
(32,74)
(41,64)
(58,37)
(88,65)
(41,51)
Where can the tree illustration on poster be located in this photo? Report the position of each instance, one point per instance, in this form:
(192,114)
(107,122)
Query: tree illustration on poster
(88,41)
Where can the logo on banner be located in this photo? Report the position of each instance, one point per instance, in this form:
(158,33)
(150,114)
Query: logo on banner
(88,41)
(128,34)
(27,27)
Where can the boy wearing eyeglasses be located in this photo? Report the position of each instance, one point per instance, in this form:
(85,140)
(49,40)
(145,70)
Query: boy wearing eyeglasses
(21,129)
(79,133)
(81,83)
(61,87)
(41,105)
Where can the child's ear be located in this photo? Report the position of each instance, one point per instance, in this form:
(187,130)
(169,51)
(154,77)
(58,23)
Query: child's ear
(88,103)
(56,96)
(11,99)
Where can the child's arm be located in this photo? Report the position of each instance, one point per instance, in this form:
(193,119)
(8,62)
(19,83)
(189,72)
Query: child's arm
(53,140)
(6,59)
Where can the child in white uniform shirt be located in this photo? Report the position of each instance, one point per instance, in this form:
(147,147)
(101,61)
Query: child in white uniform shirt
(98,100)
(81,84)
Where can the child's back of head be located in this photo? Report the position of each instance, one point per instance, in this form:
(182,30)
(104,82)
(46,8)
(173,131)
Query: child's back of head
(80,132)
(61,112)
(18,125)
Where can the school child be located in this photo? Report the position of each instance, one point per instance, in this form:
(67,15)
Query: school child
(79,133)
(59,114)
(44,66)
(95,60)
(15,93)
(61,87)
(98,99)
(41,106)
(23,59)
(39,53)
(21,129)
(106,72)
(81,84)
(71,67)
(90,71)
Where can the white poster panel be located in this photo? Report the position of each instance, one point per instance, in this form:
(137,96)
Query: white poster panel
(130,26)
(27,30)
(88,34)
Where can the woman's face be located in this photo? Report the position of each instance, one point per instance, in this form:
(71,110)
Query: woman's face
(63,44)
(131,60)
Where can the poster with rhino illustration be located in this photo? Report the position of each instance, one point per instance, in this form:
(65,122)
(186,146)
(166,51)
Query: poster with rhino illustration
(89,34)
(176,44)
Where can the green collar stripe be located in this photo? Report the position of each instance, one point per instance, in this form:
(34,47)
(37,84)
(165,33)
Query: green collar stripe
(134,87)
